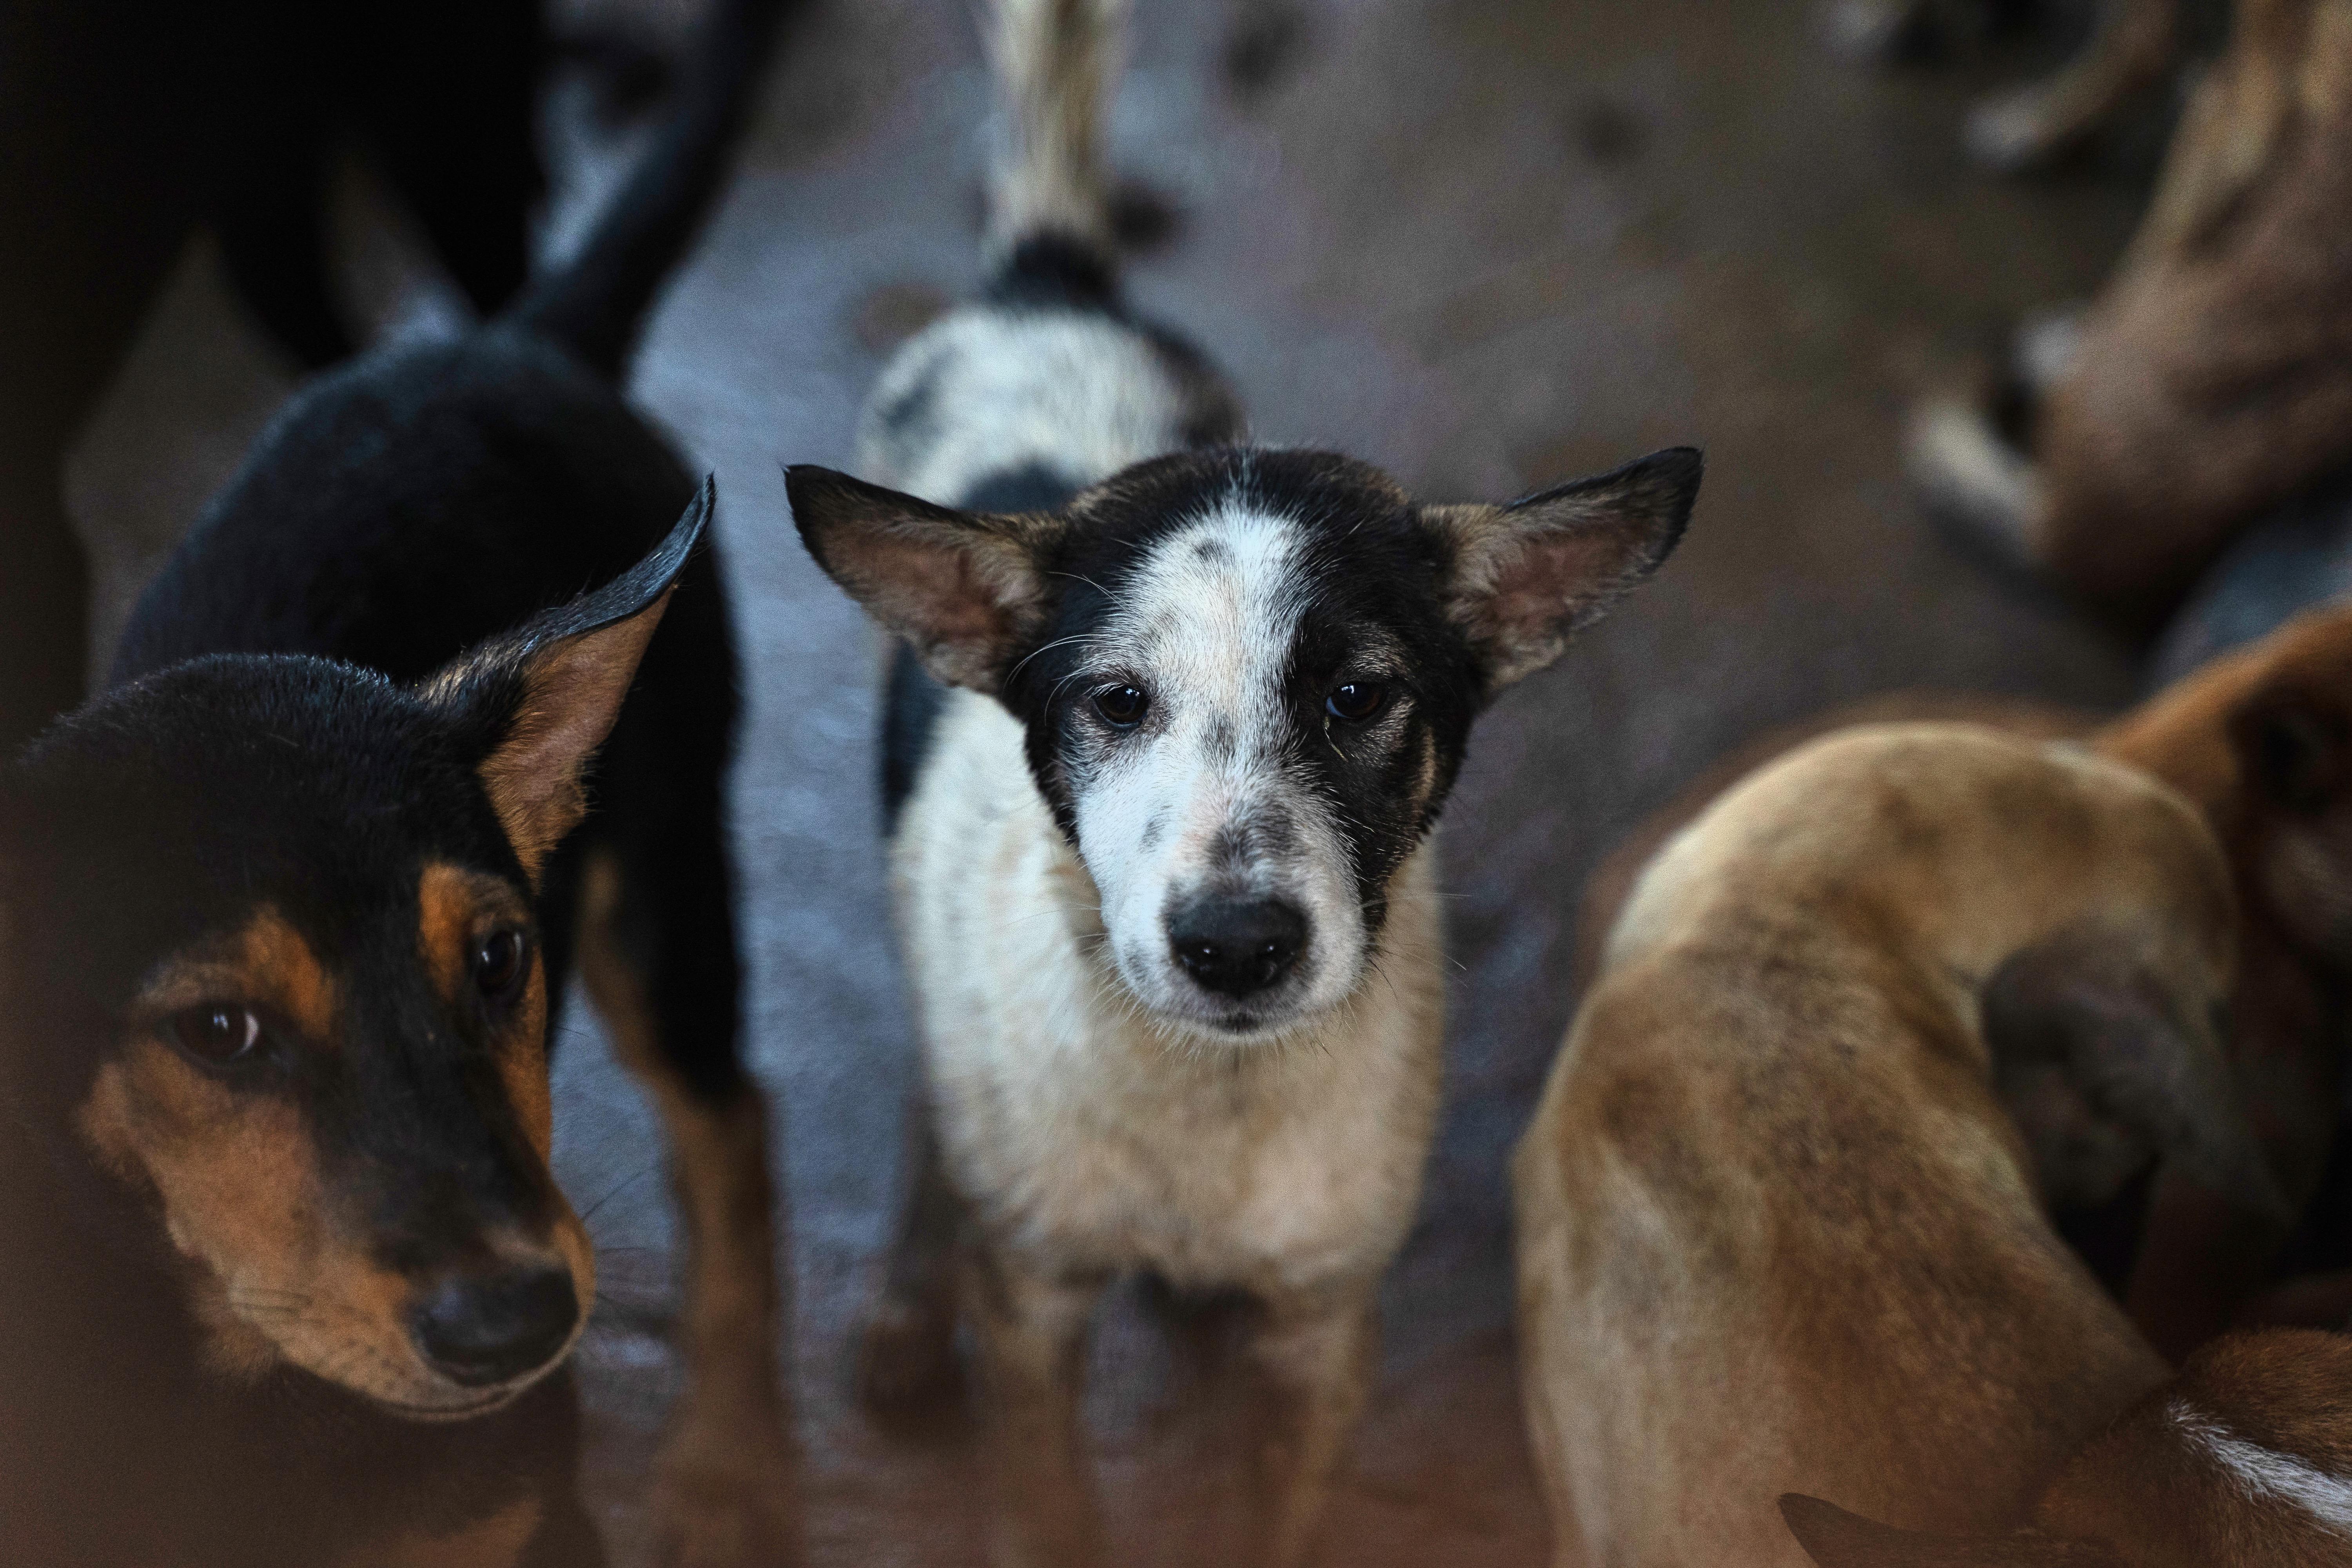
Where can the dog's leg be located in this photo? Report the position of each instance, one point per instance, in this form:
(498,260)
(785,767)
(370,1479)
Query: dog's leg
(1030,1326)
(906,1343)
(1315,1353)
(2135,44)
(724,1477)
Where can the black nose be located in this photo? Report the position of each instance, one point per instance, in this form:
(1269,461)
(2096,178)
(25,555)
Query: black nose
(479,1329)
(1236,947)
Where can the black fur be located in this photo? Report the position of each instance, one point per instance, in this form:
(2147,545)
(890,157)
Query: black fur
(910,713)
(262,742)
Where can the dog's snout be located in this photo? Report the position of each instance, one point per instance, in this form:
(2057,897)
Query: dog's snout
(1236,947)
(483,1327)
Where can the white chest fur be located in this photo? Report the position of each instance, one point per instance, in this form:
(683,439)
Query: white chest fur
(1079,1128)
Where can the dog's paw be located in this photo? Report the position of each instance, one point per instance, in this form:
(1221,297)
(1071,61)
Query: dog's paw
(907,1357)
(725,1493)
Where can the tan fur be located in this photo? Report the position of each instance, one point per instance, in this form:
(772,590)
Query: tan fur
(2214,374)
(2203,1260)
(276,1273)
(457,909)
(573,690)
(724,1474)
(1775,1231)
(2243,1461)
(1084,1142)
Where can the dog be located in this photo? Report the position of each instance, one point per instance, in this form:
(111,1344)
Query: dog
(1161,767)
(2245,1459)
(2134,47)
(2261,741)
(1775,1231)
(419,501)
(291,1282)
(2208,384)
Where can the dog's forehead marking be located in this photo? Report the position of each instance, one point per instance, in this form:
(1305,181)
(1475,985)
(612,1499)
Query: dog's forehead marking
(1210,613)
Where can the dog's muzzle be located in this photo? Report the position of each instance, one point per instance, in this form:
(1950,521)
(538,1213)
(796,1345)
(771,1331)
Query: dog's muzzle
(1237,948)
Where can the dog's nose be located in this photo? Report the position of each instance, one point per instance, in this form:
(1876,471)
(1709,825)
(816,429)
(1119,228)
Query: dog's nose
(481,1329)
(1236,947)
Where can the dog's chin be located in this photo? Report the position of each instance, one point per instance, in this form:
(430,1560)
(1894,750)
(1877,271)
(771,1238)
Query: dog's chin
(1181,1007)
(413,1392)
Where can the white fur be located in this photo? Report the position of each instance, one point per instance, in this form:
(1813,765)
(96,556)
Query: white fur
(1090,1134)
(1208,639)
(2264,1475)
(1076,392)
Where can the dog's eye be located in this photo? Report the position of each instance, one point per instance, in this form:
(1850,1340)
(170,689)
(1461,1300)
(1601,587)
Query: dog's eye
(1122,706)
(217,1032)
(500,964)
(1356,700)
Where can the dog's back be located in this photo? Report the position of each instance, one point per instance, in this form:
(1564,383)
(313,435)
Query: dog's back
(1047,382)
(1775,1232)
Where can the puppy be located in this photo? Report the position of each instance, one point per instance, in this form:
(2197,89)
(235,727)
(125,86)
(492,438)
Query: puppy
(2245,1459)
(1775,1231)
(1161,776)
(289,1282)
(425,498)
(2261,741)
(2210,381)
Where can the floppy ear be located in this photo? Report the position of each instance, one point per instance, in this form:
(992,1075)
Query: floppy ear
(2296,749)
(1836,1539)
(2086,1000)
(1528,575)
(962,588)
(540,701)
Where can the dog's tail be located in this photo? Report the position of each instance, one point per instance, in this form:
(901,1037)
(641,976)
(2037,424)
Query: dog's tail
(595,304)
(1050,233)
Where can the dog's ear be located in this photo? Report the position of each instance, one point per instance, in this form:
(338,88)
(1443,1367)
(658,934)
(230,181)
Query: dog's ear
(963,589)
(2089,1000)
(1528,575)
(2296,749)
(1836,1539)
(534,705)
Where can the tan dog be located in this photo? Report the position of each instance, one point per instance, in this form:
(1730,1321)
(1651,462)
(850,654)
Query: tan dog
(2212,379)
(2261,741)
(1775,1231)
(2245,1459)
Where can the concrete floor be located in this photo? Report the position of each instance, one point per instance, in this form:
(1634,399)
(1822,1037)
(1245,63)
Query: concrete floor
(1485,243)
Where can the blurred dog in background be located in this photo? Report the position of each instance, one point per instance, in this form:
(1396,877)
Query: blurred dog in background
(2212,380)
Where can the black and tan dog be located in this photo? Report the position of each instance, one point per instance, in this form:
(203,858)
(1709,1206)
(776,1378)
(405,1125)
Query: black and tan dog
(1164,770)
(290,908)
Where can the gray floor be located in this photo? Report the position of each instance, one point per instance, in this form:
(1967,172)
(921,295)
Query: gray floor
(1487,243)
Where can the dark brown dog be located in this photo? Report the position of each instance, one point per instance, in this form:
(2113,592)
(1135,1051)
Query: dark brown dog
(2261,741)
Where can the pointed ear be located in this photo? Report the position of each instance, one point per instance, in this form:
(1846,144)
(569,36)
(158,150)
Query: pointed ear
(963,589)
(2296,749)
(1528,575)
(1836,1539)
(538,701)
(2088,1000)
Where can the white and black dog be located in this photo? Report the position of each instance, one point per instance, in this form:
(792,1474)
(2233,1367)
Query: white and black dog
(1161,816)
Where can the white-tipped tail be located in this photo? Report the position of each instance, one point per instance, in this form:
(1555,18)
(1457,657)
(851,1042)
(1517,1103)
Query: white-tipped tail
(1055,60)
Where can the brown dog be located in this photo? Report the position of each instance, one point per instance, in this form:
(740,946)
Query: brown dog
(1775,1230)
(2245,1459)
(2212,379)
(2260,740)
